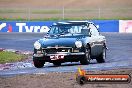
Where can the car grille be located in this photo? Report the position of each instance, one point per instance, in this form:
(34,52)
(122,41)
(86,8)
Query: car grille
(57,50)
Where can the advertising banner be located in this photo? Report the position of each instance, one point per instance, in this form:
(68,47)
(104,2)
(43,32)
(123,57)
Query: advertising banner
(43,26)
(25,26)
(107,25)
(125,26)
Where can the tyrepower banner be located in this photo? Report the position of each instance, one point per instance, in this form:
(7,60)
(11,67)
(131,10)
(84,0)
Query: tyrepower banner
(107,25)
(44,26)
(125,26)
(25,26)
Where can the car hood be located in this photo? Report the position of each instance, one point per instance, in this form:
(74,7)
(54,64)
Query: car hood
(65,41)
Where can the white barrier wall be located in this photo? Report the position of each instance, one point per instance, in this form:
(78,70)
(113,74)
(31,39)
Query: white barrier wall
(125,26)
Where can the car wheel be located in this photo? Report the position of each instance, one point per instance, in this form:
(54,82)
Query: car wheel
(86,59)
(38,63)
(102,57)
(57,63)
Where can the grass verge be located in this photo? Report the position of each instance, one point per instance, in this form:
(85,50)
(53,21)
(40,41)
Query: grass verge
(6,57)
(59,19)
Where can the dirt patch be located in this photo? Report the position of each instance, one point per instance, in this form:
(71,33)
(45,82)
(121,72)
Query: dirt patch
(67,3)
(35,9)
(59,80)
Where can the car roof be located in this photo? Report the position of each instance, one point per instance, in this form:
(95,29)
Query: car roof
(72,23)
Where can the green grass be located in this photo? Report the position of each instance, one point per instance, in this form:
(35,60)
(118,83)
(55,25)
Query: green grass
(32,11)
(6,57)
(59,18)
(24,19)
(46,12)
(12,11)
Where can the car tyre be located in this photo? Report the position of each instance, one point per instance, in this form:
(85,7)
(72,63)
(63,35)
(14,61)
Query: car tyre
(102,57)
(38,63)
(86,59)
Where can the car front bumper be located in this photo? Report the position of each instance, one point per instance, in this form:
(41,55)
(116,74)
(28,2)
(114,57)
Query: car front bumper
(67,56)
(60,53)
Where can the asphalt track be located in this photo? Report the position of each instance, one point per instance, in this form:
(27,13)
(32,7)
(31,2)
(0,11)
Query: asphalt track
(119,53)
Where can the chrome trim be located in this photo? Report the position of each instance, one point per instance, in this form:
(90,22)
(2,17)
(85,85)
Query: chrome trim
(96,45)
(56,47)
(38,55)
(66,54)
(59,53)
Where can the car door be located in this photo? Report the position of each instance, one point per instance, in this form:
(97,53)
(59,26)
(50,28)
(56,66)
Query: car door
(95,41)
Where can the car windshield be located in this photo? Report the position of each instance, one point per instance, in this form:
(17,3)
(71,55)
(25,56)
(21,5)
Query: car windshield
(72,29)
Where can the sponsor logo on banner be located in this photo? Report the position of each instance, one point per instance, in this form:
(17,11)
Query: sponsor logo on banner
(125,26)
(9,28)
(2,26)
(24,27)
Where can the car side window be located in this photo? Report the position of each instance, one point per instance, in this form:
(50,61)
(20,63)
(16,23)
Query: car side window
(93,30)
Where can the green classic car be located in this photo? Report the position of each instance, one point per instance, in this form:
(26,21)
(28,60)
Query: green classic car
(70,41)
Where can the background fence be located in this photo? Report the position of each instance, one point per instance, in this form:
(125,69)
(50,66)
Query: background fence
(65,13)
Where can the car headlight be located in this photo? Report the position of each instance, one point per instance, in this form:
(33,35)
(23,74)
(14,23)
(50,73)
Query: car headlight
(78,44)
(37,45)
